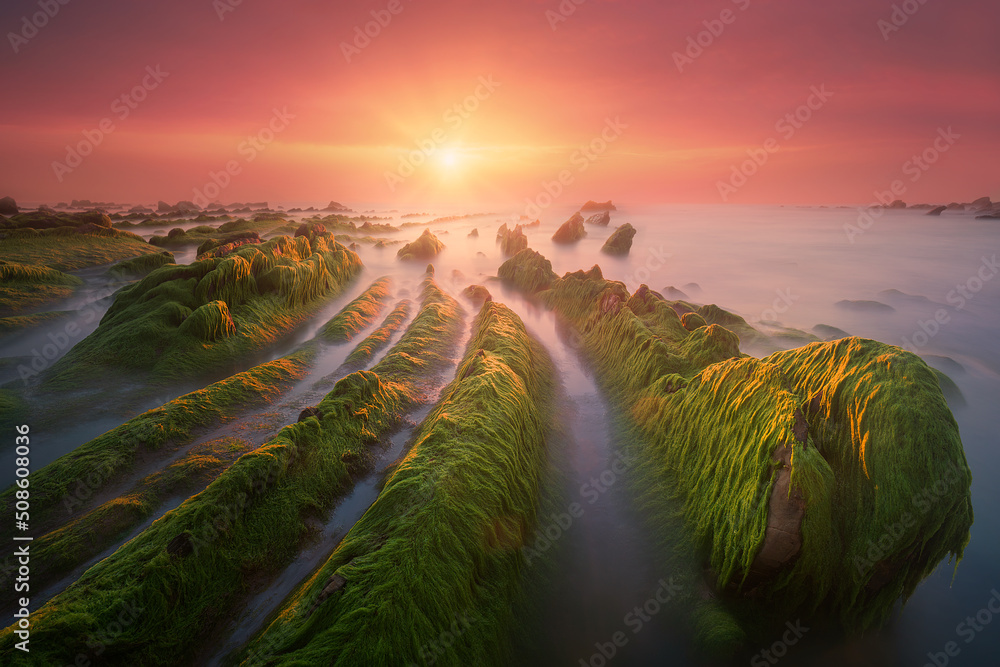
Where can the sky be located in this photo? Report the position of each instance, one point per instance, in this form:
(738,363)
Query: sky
(499,103)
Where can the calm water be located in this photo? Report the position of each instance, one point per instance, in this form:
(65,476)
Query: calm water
(775,266)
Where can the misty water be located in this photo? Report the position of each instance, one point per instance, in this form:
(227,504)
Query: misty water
(775,266)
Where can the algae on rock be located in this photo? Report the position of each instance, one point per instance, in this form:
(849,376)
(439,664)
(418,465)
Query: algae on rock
(853,431)
(443,538)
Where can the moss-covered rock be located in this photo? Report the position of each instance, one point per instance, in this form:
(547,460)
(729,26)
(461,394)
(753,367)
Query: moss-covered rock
(570,231)
(24,286)
(378,339)
(188,571)
(258,292)
(784,471)
(444,538)
(512,241)
(620,241)
(528,271)
(426,247)
(477,294)
(358,314)
(141,266)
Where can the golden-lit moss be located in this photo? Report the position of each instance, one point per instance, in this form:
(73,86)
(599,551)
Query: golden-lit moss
(358,314)
(862,426)
(184,322)
(189,569)
(442,542)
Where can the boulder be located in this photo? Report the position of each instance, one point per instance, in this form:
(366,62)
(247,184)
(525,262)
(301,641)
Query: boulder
(673,294)
(477,294)
(426,247)
(620,241)
(570,231)
(937,211)
(8,206)
(474,234)
(591,206)
(337,207)
(512,241)
(865,306)
(602,218)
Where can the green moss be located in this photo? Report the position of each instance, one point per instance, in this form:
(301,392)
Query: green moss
(25,286)
(60,551)
(358,314)
(863,425)
(64,486)
(141,266)
(427,343)
(426,247)
(16,323)
(209,237)
(620,241)
(173,325)
(379,338)
(528,270)
(67,249)
(511,241)
(246,525)
(13,409)
(442,543)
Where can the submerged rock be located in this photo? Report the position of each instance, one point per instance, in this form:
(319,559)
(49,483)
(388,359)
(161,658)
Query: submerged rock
(865,306)
(788,468)
(477,294)
(570,231)
(528,270)
(602,218)
(512,241)
(8,206)
(598,206)
(620,241)
(427,246)
(674,294)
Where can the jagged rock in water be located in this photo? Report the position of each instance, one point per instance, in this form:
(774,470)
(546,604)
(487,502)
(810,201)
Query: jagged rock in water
(427,246)
(620,241)
(570,231)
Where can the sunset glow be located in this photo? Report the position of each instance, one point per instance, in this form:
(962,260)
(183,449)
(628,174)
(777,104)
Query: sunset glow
(520,86)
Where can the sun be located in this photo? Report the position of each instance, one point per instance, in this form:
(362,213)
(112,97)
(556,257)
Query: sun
(449,161)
